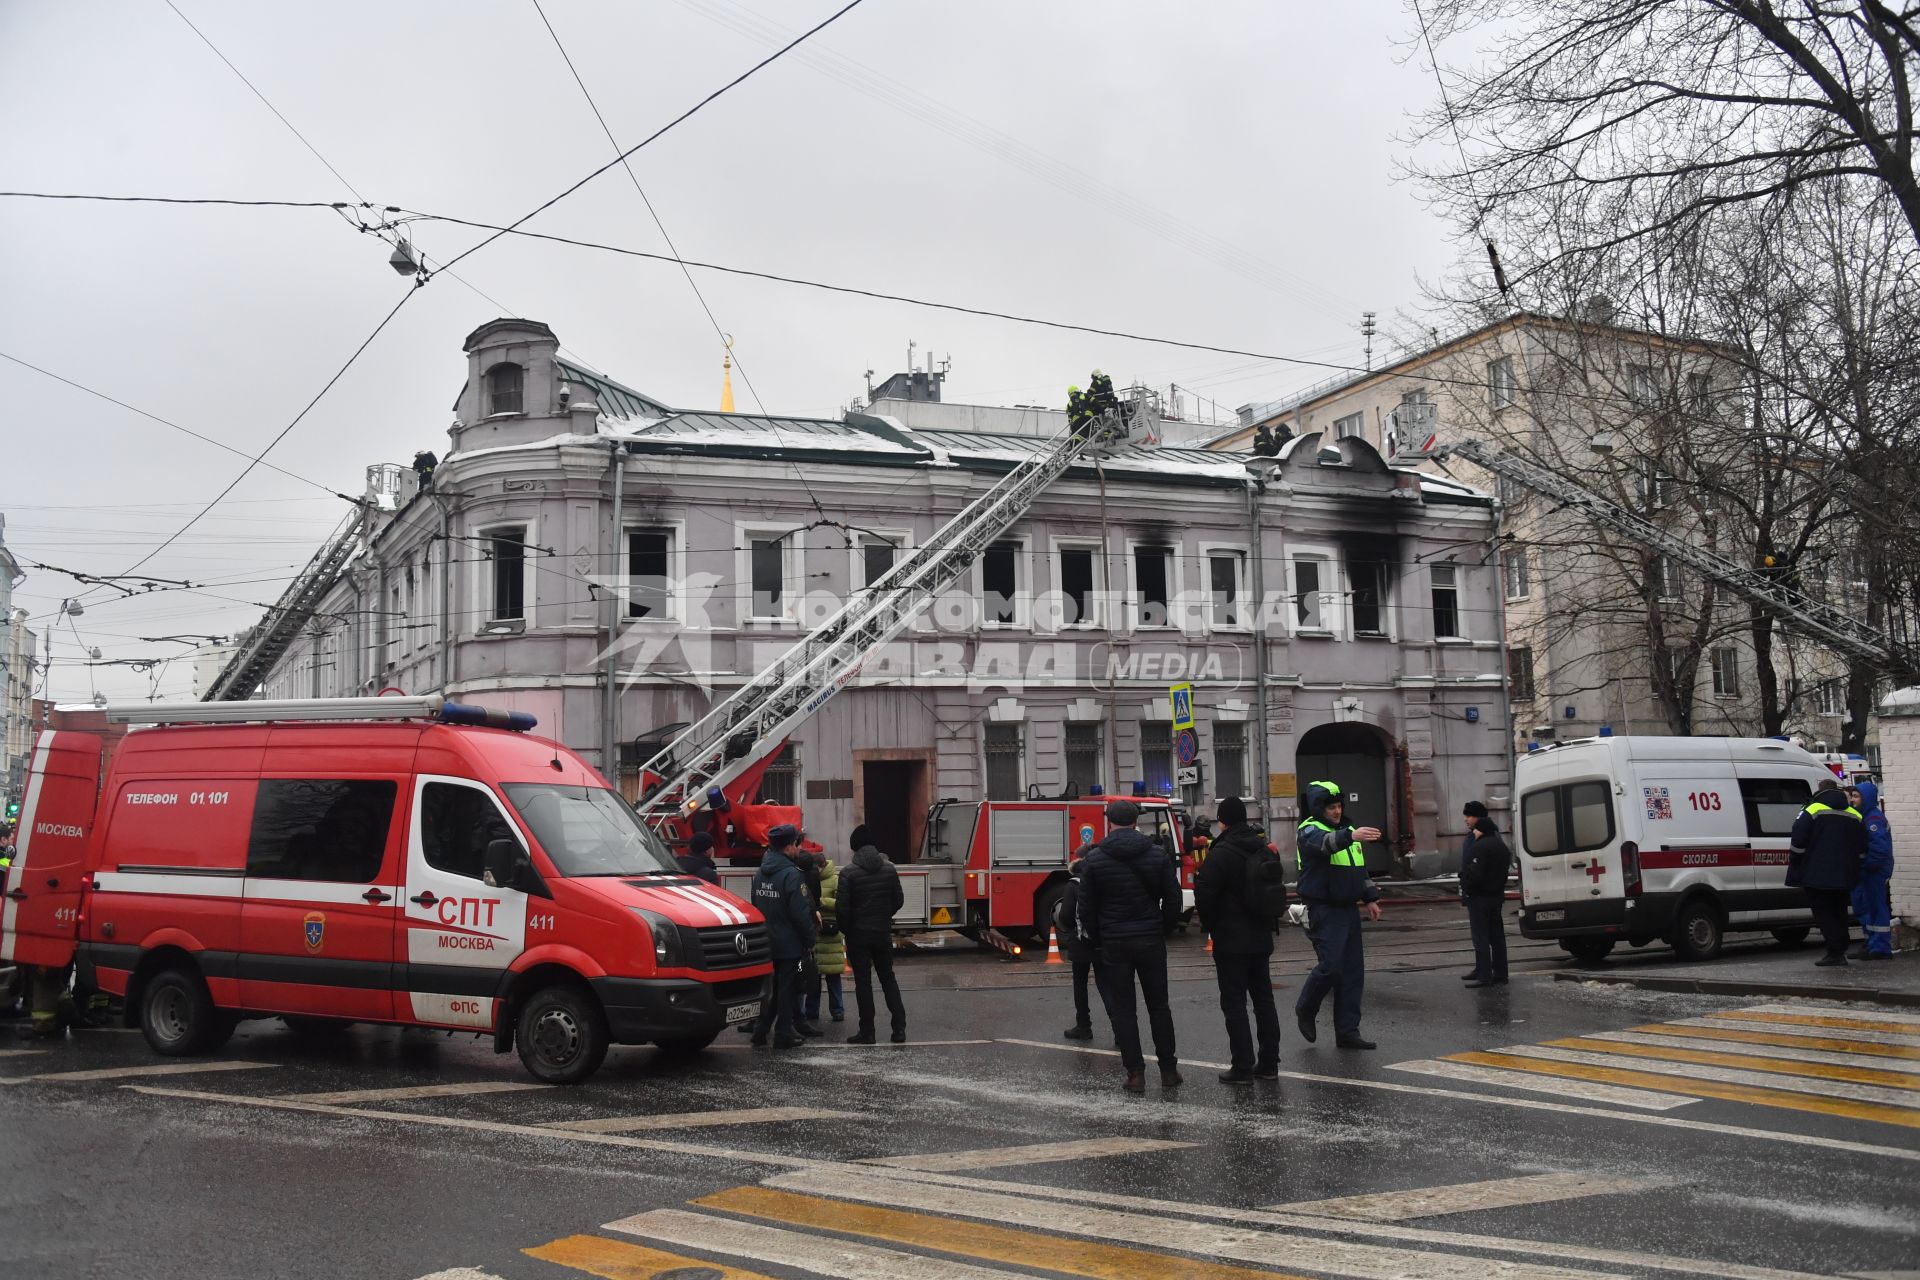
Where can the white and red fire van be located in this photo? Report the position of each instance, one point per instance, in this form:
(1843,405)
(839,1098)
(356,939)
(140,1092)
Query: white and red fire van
(394,860)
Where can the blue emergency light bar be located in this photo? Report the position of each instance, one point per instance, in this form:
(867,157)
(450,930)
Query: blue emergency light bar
(486,717)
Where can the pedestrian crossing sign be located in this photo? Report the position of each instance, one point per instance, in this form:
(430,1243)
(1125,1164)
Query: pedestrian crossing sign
(1182,695)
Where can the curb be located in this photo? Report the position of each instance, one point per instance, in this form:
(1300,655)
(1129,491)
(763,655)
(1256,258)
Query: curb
(1733,987)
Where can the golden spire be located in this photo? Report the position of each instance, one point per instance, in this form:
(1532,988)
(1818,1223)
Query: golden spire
(726,376)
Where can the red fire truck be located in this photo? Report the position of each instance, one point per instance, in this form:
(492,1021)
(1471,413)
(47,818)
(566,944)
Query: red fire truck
(397,860)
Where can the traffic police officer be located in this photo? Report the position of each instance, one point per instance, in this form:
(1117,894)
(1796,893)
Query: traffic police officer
(1334,885)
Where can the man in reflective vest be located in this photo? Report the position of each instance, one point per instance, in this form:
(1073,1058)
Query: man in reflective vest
(1828,846)
(1334,885)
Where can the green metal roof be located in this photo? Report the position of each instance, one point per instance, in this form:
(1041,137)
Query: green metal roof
(615,400)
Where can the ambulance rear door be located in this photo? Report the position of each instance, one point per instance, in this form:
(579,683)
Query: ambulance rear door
(40,914)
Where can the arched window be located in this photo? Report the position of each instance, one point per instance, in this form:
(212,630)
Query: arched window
(504,385)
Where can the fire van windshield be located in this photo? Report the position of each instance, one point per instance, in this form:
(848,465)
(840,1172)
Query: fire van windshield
(587,831)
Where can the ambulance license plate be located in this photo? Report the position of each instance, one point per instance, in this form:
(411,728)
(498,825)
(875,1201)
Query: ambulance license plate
(742,1012)
(1543,916)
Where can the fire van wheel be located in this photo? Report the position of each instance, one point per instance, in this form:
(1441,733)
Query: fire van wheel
(1587,950)
(1791,937)
(177,1015)
(1698,930)
(561,1035)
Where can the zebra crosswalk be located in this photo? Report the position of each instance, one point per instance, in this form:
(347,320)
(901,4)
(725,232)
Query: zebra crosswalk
(1850,1064)
(865,1224)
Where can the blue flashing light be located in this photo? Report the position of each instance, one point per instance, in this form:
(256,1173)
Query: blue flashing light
(1096,790)
(1606,731)
(1139,786)
(486,717)
(1533,746)
(717,800)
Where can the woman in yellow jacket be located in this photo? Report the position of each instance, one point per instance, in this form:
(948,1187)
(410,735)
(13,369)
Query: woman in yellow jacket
(829,949)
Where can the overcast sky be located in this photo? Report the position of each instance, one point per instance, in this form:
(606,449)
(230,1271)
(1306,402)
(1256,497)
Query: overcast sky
(1220,173)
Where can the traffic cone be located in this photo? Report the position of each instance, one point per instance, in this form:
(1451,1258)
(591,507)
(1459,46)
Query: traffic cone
(1053,946)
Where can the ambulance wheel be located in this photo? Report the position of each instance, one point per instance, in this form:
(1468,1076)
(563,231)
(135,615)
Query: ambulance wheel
(1587,950)
(1791,937)
(561,1035)
(1698,930)
(686,1046)
(177,1015)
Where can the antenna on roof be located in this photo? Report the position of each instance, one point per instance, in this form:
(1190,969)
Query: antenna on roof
(1368,327)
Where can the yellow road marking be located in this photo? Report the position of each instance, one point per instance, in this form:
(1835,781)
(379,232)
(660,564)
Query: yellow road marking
(976,1239)
(1700,1088)
(617,1260)
(1743,1036)
(1812,1020)
(1777,1066)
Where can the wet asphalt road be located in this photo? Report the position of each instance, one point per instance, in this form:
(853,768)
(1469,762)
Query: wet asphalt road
(231,1173)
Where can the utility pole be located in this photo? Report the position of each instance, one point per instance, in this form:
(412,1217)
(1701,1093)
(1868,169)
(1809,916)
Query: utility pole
(1368,327)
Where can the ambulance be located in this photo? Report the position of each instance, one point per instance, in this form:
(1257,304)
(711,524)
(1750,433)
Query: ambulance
(1644,839)
(385,860)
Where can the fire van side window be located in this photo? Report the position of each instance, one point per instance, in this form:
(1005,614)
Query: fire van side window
(320,829)
(456,826)
(1773,803)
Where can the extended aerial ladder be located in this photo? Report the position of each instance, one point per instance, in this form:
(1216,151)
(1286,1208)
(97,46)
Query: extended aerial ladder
(711,753)
(269,642)
(1794,609)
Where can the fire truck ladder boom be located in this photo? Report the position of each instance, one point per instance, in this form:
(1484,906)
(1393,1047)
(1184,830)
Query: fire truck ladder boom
(729,739)
(1793,609)
(269,641)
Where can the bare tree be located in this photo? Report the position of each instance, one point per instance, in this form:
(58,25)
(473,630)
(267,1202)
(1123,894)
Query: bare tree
(1646,118)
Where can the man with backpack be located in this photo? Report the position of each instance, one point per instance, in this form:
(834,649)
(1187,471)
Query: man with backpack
(1130,898)
(1240,894)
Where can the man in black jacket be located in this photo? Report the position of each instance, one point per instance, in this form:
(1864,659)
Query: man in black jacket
(870,894)
(1130,897)
(1227,896)
(1080,950)
(698,858)
(1483,887)
(780,894)
(1828,847)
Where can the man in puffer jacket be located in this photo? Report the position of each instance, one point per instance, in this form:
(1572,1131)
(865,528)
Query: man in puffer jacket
(830,951)
(1334,886)
(1829,845)
(869,895)
(1130,898)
